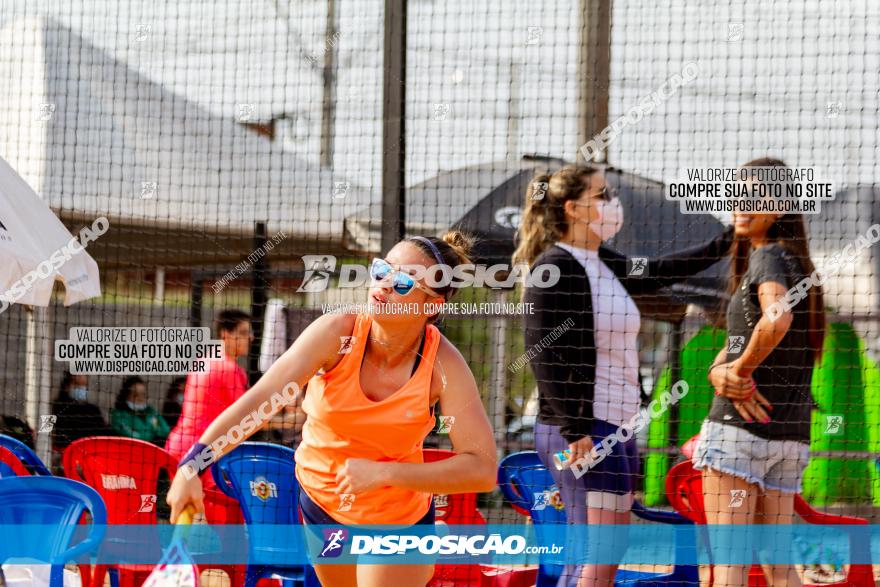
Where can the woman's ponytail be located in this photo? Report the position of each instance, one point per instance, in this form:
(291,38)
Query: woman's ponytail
(532,234)
(543,219)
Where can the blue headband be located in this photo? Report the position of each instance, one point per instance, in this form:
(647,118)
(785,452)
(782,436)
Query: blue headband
(437,254)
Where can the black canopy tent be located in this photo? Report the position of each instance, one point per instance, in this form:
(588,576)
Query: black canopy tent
(486,200)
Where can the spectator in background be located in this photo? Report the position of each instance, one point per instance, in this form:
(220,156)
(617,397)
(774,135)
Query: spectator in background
(588,375)
(76,417)
(18,429)
(132,417)
(173,401)
(210,392)
(286,426)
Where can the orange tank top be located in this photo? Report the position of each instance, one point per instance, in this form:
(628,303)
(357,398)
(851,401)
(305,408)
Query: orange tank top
(343,423)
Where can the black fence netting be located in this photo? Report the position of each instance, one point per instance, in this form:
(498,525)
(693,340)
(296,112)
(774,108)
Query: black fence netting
(567,261)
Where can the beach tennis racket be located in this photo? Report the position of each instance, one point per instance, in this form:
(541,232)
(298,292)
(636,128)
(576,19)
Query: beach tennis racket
(176,568)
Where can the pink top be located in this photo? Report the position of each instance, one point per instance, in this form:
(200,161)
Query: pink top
(206,395)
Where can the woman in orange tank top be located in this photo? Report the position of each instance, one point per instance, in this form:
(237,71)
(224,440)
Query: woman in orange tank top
(374,379)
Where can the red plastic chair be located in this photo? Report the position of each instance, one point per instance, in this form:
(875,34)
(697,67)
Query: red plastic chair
(684,489)
(125,473)
(457,508)
(688,448)
(461,508)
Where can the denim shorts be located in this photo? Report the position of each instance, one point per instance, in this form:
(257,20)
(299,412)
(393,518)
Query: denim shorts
(771,464)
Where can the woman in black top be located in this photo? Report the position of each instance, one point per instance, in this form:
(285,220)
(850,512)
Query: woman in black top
(75,417)
(582,341)
(754,445)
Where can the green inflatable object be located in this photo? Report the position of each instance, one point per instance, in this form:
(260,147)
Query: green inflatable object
(846,386)
(657,464)
(839,424)
(696,356)
(872,418)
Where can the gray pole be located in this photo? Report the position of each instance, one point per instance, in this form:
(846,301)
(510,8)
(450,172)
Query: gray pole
(328,114)
(514,113)
(39,351)
(594,62)
(498,330)
(393,124)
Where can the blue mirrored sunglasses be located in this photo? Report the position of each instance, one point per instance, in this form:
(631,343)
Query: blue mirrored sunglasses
(402,283)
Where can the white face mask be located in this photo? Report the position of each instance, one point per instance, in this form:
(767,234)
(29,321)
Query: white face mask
(80,393)
(610,219)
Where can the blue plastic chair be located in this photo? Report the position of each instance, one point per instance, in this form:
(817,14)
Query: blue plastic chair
(56,505)
(260,476)
(25,456)
(525,483)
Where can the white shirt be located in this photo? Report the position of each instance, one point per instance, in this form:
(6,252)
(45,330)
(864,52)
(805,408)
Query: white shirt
(616,322)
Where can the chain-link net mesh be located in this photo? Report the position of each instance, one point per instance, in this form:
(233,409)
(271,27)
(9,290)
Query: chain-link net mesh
(238,168)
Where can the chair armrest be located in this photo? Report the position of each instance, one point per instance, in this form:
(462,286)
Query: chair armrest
(814,516)
(40,469)
(660,516)
(221,482)
(857,548)
(89,545)
(515,501)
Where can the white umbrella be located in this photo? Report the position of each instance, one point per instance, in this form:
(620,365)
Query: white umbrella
(35,251)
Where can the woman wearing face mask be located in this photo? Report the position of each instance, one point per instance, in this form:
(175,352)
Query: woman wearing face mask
(583,338)
(75,417)
(132,417)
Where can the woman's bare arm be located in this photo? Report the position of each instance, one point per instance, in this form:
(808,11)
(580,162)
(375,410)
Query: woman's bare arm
(719,358)
(317,346)
(768,332)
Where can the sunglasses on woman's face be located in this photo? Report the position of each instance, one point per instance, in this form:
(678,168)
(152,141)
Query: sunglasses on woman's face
(607,193)
(402,283)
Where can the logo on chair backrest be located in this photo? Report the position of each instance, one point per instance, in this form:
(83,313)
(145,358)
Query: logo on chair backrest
(148,504)
(542,500)
(556,498)
(263,489)
(551,497)
(116,482)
